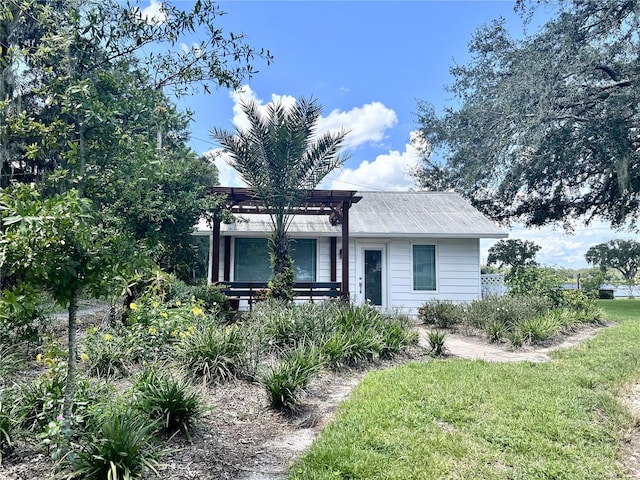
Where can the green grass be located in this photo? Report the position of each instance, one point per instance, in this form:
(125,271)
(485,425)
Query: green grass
(460,419)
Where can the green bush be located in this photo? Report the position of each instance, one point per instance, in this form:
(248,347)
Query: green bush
(39,401)
(436,340)
(395,335)
(6,427)
(120,446)
(105,354)
(168,400)
(535,281)
(11,361)
(212,298)
(441,314)
(285,382)
(22,317)
(496,331)
(212,353)
(537,330)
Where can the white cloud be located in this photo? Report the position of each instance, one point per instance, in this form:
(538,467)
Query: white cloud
(365,124)
(390,171)
(560,249)
(244,95)
(154,13)
(227,175)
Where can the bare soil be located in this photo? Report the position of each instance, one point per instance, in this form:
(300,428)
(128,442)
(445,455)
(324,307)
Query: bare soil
(241,438)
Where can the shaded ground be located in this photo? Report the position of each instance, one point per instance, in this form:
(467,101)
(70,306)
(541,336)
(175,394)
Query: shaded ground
(241,438)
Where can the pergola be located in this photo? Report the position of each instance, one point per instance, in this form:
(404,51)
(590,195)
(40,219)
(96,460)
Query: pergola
(333,203)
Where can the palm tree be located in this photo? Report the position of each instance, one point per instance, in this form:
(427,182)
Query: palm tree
(282,159)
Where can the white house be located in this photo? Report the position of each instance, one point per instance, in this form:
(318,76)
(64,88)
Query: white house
(404,248)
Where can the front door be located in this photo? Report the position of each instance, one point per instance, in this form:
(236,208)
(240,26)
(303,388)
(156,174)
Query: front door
(372,274)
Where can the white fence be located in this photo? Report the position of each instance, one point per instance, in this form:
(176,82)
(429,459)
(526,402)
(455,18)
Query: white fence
(492,284)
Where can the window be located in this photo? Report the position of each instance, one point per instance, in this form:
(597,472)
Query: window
(251,260)
(424,267)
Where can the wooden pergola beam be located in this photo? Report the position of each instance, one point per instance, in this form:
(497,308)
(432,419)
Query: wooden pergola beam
(333,203)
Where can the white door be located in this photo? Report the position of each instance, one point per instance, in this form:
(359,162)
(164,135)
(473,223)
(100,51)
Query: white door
(371,274)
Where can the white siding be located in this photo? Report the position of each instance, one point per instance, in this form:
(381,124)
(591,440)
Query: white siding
(457,269)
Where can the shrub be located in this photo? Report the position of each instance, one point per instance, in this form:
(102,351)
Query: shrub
(169,401)
(39,401)
(212,353)
(442,314)
(212,298)
(336,349)
(120,446)
(285,382)
(436,340)
(10,362)
(5,427)
(496,331)
(395,336)
(105,354)
(21,315)
(538,329)
(154,325)
(535,281)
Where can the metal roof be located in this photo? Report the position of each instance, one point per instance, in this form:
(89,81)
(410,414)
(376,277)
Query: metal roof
(389,214)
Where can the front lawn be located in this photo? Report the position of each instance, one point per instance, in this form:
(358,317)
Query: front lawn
(465,419)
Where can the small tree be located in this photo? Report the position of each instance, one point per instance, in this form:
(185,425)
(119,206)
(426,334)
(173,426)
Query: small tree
(282,158)
(513,253)
(56,244)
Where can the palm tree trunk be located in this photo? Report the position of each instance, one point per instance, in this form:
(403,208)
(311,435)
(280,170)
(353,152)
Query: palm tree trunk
(281,285)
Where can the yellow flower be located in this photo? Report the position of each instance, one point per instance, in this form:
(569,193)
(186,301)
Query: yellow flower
(152,330)
(107,337)
(164,314)
(191,328)
(133,306)
(84,357)
(155,304)
(178,303)
(39,358)
(197,311)
(175,333)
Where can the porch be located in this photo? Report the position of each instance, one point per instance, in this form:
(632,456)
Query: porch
(334,204)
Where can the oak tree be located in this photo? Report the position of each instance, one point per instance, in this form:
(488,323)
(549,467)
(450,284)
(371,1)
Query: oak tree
(546,128)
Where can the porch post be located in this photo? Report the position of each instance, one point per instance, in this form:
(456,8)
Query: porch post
(215,253)
(333,241)
(345,249)
(227,259)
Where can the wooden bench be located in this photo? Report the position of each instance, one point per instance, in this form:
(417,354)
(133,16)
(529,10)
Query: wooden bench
(249,291)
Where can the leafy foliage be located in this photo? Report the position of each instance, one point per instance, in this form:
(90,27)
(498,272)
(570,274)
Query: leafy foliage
(547,125)
(514,253)
(212,353)
(168,400)
(436,340)
(121,446)
(621,255)
(288,380)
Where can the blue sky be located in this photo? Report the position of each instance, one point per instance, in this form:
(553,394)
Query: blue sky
(367,63)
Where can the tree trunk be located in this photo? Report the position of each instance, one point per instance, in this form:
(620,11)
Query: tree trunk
(281,285)
(70,388)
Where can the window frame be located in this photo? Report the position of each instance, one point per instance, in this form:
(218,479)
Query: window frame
(314,249)
(435,267)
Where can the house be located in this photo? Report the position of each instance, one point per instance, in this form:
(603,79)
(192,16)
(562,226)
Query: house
(392,249)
